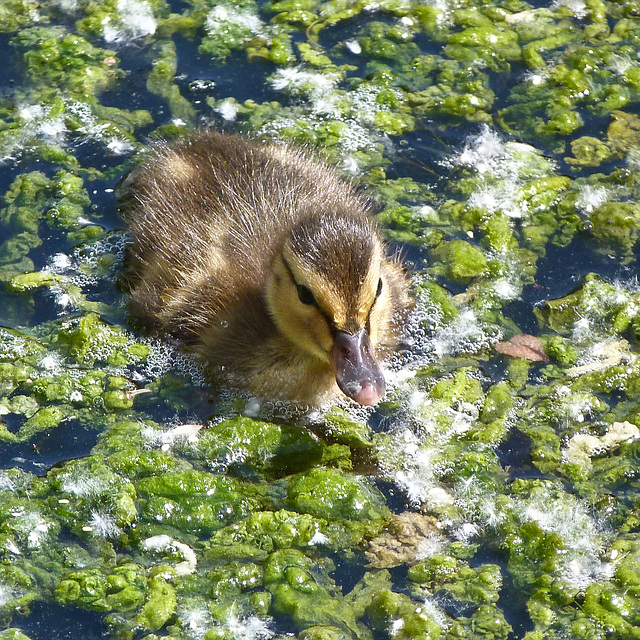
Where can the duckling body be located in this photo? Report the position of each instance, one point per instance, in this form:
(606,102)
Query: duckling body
(264,262)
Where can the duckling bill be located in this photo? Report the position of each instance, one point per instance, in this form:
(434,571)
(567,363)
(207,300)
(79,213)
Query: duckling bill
(266,264)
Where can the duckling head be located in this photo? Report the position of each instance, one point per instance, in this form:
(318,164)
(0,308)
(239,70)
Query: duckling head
(327,294)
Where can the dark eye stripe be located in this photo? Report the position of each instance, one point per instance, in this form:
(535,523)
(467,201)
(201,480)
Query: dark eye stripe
(378,292)
(379,289)
(302,287)
(288,268)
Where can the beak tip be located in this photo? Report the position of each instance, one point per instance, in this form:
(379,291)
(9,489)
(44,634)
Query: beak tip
(367,392)
(369,395)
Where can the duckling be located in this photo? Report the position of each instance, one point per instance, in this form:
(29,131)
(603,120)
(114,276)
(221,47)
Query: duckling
(267,264)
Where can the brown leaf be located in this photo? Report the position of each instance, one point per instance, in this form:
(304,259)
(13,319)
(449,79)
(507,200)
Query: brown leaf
(523,346)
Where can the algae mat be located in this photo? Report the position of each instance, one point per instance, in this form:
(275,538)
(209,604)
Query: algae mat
(496,491)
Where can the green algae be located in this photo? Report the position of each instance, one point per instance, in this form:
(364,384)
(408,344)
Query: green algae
(388,606)
(452,578)
(13,634)
(459,261)
(609,307)
(341,427)
(260,533)
(159,606)
(88,339)
(69,61)
(243,522)
(335,495)
(298,593)
(244,444)
(32,199)
(161,82)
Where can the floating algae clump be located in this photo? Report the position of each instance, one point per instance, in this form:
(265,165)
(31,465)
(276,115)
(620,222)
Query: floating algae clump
(89,339)
(69,61)
(243,444)
(332,494)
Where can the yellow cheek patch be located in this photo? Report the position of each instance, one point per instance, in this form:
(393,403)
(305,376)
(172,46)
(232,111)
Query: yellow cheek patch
(302,324)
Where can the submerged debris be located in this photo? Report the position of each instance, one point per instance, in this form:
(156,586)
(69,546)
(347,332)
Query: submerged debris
(583,446)
(523,346)
(406,540)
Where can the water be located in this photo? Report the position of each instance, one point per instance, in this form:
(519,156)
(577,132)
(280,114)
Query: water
(435,453)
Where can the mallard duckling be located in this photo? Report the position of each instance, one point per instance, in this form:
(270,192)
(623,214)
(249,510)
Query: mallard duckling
(266,263)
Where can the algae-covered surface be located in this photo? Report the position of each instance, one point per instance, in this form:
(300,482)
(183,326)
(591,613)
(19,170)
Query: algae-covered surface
(495,493)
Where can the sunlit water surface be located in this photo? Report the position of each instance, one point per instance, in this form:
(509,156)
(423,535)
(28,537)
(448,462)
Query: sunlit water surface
(423,155)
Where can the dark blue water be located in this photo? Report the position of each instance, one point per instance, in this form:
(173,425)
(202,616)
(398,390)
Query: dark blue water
(418,155)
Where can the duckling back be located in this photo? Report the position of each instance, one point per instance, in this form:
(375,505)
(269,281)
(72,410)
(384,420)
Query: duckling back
(210,217)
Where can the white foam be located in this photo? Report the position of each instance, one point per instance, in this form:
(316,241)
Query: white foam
(6,594)
(103,525)
(503,168)
(569,517)
(6,483)
(228,110)
(32,527)
(119,147)
(135,20)
(84,486)
(590,198)
(577,7)
(221,16)
(195,621)
(436,613)
(296,81)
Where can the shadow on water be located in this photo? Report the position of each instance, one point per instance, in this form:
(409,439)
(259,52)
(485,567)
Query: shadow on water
(48,621)
(423,155)
(46,449)
(8,68)
(514,455)
(512,600)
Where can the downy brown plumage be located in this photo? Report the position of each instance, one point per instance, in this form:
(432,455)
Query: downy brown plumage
(266,263)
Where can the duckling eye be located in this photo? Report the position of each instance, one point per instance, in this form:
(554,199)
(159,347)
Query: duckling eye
(379,289)
(305,295)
